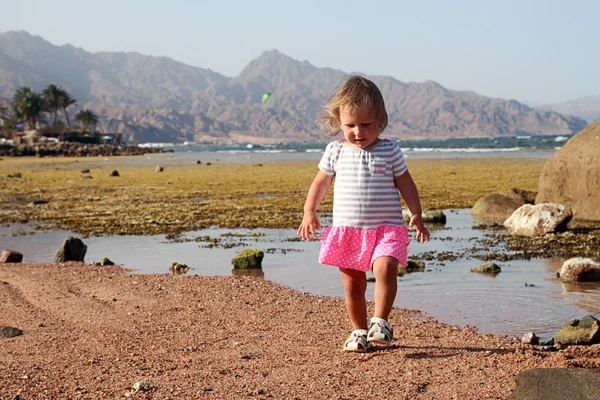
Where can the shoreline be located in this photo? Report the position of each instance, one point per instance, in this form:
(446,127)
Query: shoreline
(456,247)
(73,149)
(98,330)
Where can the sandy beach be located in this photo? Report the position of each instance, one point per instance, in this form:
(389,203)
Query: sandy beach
(92,332)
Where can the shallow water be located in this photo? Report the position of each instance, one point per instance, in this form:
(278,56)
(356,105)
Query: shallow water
(447,291)
(259,157)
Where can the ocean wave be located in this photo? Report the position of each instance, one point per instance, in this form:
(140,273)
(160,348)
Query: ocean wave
(459,150)
(277,151)
(156,145)
(233,151)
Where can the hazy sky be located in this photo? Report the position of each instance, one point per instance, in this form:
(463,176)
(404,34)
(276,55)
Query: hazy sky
(530,50)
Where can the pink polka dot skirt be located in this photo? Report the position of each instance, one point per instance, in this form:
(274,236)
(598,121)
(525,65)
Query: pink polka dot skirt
(346,247)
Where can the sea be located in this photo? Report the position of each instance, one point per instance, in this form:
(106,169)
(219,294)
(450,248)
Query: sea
(515,146)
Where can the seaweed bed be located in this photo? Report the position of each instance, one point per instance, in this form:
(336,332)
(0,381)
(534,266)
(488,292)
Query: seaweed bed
(56,194)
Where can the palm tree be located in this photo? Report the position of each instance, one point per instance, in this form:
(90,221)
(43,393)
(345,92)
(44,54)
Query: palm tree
(66,101)
(4,113)
(53,94)
(5,116)
(29,106)
(86,117)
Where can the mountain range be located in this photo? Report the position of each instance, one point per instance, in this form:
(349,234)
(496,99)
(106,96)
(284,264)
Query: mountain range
(157,99)
(587,108)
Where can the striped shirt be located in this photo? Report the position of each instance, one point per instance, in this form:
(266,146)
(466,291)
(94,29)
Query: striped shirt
(365,195)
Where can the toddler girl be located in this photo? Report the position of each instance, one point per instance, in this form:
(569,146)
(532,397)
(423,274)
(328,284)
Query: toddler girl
(368,231)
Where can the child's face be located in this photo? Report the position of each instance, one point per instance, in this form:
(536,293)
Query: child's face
(360,126)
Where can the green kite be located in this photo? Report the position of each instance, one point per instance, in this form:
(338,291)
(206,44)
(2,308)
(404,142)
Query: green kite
(266,97)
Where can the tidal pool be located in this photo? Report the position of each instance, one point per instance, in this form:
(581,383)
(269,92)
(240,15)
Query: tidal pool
(526,296)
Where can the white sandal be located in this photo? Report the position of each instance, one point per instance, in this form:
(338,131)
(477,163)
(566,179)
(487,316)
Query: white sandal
(357,342)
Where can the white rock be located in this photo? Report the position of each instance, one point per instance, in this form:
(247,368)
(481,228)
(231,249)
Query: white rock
(538,220)
(580,269)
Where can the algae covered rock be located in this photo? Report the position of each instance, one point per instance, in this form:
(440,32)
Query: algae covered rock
(429,215)
(584,331)
(103,262)
(72,249)
(412,266)
(178,268)
(489,268)
(249,258)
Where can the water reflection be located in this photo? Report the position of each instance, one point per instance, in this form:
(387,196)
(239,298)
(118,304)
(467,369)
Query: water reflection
(585,294)
(580,287)
(489,220)
(256,272)
(555,264)
(177,272)
(489,274)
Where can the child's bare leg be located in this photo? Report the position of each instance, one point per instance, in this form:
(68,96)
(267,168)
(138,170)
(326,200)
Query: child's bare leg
(355,286)
(385,270)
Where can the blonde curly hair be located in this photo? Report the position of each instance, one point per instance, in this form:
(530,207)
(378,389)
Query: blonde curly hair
(355,93)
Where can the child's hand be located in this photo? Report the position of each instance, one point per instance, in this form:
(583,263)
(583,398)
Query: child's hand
(422,232)
(310,224)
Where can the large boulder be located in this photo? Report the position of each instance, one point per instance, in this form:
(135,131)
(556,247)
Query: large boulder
(572,175)
(495,208)
(580,269)
(72,249)
(538,220)
(556,384)
(584,331)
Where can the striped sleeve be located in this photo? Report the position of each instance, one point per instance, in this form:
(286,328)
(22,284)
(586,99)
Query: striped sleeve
(398,164)
(329,159)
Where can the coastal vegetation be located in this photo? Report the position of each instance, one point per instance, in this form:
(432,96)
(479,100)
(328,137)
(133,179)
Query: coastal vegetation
(191,197)
(33,109)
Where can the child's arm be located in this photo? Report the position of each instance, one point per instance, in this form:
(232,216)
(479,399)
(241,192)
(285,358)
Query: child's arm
(316,194)
(409,192)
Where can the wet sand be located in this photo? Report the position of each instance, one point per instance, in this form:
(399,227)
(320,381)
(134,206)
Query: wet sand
(92,332)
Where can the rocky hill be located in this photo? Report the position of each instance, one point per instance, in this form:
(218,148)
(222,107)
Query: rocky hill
(586,108)
(157,99)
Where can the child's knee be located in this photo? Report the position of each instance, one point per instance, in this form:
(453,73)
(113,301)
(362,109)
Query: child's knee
(385,266)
